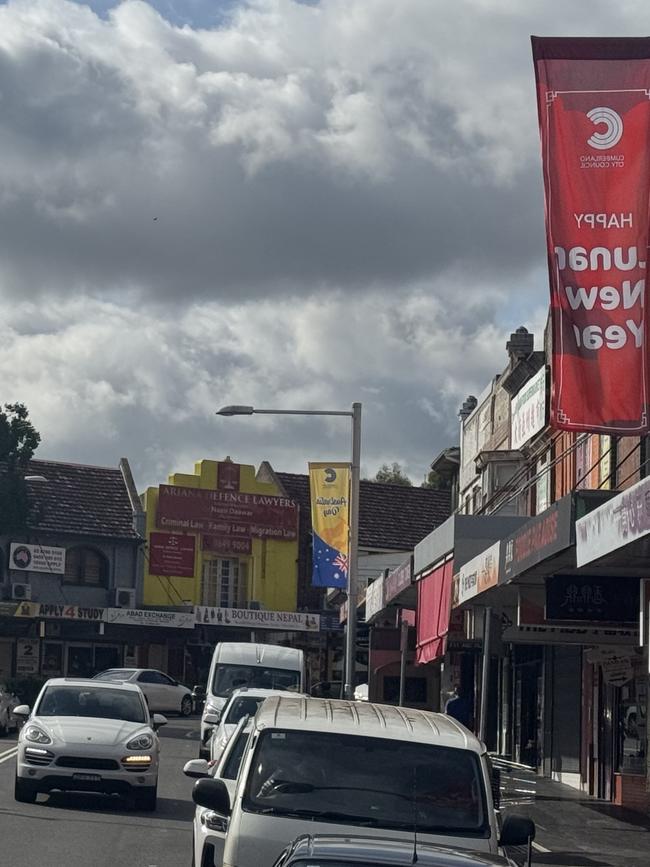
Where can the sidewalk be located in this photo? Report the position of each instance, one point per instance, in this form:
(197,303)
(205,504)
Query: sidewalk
(574,830)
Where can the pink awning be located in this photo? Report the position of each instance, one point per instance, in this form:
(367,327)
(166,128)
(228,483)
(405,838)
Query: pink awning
(434,602)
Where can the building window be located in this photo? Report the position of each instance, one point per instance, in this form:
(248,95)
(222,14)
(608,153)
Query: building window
(85,566)
(222,584)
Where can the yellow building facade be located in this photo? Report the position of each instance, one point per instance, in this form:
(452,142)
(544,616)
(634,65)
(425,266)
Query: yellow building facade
(229,532)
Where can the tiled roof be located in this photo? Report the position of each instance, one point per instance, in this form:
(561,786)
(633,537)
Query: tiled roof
(80,500)
(395,517)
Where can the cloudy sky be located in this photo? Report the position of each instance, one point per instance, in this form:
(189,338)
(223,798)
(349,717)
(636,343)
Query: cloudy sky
(278,203)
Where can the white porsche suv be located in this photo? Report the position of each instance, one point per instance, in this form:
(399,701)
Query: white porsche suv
(89,736)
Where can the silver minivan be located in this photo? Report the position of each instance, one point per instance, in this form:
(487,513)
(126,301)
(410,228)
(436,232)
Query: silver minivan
(318,766)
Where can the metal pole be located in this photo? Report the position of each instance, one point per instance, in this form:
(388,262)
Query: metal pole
(351,630)
(485,673)
(403,647)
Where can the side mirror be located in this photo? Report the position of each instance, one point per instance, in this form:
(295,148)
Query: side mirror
(21,711)
(213,795)
(158,721)
(517,831)
(197,769)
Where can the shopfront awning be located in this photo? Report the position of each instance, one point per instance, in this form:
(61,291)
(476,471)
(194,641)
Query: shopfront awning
(434,603)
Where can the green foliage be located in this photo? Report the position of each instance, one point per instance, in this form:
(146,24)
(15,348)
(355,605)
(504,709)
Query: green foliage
(18,442)
(392,475)
(435,481)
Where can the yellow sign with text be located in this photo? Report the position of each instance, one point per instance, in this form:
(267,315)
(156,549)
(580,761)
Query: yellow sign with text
(329,486)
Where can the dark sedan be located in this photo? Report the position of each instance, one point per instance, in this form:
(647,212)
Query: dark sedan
(323,850)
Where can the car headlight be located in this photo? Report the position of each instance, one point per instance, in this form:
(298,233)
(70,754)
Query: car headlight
(214,821)
(141,742)
(37,736)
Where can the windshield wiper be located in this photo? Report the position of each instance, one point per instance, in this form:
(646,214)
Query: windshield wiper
(320,814)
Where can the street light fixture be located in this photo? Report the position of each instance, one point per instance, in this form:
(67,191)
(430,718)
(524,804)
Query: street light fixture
(355,470)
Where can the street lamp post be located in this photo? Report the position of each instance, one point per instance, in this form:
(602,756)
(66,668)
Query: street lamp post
(352,589)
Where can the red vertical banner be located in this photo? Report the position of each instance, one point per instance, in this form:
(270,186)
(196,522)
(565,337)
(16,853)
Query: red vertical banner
(593,98)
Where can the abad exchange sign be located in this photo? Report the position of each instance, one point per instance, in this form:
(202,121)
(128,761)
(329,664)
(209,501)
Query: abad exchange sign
(227,513)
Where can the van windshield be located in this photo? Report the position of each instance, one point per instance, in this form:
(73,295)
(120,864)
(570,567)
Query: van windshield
(230,677)
(368,781)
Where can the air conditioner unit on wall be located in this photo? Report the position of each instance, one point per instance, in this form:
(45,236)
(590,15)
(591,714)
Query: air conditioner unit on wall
(124,597)
(21,591)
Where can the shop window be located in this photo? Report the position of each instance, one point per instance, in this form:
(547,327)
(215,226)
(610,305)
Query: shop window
(632,716)
(415,690)
(86,566)
(222,584)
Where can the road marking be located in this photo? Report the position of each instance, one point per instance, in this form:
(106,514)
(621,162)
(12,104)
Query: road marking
(10,750)
(539,848)
(5,757)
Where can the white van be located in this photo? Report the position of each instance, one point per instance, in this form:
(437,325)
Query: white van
(318,766)
(238,664)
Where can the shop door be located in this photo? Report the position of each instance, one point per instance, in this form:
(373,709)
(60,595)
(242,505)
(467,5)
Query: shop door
(107,656)
(606,739)
(528,705)
(6,658)
(79,660)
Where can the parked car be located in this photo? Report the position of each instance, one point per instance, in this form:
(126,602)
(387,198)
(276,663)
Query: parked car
(8,701)
(369,852)
(209,828)
(89,736)
(161,691)
(243,702)
(334,767)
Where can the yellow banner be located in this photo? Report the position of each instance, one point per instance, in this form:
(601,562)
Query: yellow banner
(329,486)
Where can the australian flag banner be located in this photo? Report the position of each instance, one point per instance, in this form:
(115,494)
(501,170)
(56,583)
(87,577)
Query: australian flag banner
(329,486)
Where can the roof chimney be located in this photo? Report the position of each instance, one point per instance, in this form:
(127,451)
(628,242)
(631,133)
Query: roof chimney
(467,408)
(520,345)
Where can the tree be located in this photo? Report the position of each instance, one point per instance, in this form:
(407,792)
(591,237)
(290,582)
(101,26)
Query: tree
(392,475)
(18,441)
(436,482)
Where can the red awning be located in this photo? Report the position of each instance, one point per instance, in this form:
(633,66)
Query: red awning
(434,602)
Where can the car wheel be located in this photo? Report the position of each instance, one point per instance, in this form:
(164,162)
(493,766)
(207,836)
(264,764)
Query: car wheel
(146,798)
(24,791)
(186,705)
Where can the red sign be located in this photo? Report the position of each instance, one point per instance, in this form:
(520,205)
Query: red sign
(594,112)
(228,475)
(227,545)
(227,513)
(171,554)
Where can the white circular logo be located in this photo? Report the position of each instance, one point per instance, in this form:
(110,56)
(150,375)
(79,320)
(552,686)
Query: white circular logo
(602,141)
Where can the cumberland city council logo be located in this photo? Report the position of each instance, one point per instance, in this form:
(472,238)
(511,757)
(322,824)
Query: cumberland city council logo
(610,128)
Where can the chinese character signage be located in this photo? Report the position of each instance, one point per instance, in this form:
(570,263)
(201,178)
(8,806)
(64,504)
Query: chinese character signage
(528,410)
(479,574)
(617,522)
(329,486)
(596,600)
(540,537)
(374,597)
(594,115)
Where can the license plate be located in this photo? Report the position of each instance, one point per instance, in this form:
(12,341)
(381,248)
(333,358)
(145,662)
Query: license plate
(87,778)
